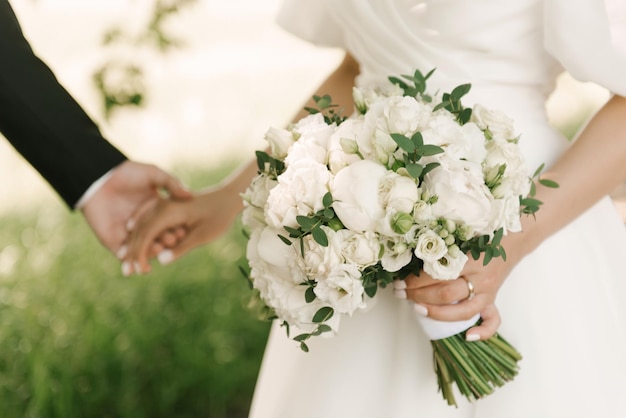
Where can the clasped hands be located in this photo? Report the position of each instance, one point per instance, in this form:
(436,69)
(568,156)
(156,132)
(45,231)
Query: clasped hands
(171,228)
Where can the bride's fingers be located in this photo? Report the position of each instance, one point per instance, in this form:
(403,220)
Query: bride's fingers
(440,292)
(491,321)
(461,311)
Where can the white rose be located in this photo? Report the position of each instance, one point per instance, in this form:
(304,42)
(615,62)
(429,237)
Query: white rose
(313,141)
(404,115)
(422,213)
(462,195)
(280,141)
(355,191)
(430,247)
(498,123)
(515,180)
(447,267)
(299,191)
(360,249)
(342,289)
(398,192)
(254,199)
(346,133)
(397,254)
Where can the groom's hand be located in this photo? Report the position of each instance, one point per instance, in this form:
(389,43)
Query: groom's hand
(131,186)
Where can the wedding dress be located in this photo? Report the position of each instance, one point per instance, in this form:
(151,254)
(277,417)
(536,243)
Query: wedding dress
(563,307)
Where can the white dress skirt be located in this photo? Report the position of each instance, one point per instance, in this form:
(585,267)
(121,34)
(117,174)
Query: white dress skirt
(564,305)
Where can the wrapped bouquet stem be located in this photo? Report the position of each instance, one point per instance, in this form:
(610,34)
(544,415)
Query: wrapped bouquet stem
(343,206)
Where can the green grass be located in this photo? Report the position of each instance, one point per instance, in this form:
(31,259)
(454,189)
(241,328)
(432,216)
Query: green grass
(77,339)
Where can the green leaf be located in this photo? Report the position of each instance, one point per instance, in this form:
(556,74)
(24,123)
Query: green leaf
(329,213)
(293,232)
(304,347)
(403,142)
(309,295)
(417,139)
(306,223)
(488,256)
(320,236)
(464,115)
(301,337)
(323,314)
(460,91)
(428,150)
(429,167)
(529,201)
(261,159)
(549,183)
(327,200)
(538,170)
(475,253)
(497,237)
(324,328)
(285,240)
(323,102)
(415,170)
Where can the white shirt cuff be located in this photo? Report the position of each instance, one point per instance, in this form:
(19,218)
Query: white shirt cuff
(93,189)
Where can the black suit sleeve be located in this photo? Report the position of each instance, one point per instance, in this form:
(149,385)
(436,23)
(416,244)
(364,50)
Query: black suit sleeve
(42,120)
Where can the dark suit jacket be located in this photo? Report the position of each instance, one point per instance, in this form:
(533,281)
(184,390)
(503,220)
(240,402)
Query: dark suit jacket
(43,122)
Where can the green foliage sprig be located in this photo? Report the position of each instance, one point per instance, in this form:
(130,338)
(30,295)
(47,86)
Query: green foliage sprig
(330,111)
(530,205)
(414,149)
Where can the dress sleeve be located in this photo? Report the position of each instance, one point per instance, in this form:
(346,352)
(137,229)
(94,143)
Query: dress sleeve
(583,36)
(311,20)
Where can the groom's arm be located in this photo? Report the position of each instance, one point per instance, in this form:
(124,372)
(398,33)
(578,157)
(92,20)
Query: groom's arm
(42,120)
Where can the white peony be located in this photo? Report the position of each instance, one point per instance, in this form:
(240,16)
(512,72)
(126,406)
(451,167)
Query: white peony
(355,191)
(342,289)
(319,260)
(299,191)
(398,192)
(462,195)
(465,142)
(360,249)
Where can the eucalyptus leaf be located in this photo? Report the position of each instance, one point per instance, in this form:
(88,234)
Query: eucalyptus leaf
(549,183)
(285,239)
(309,295)
(306,223)
(320,236)
(415,170)
(460,91)
(323,314)
(428,150)
(403,142)
(327,200)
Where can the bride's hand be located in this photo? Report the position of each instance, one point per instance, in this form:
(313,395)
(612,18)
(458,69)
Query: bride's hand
(172,228)
(474,292)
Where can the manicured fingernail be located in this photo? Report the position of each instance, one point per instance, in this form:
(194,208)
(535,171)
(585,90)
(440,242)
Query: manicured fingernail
(137,267)
(472,337)
(126,268)
(130,224)
(399,293)
(165,257)
(399,284)
(121,253)
(420,309)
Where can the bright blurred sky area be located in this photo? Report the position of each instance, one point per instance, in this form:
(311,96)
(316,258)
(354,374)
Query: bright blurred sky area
(212,99)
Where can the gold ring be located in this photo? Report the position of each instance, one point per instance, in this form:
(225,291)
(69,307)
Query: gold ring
(470,288)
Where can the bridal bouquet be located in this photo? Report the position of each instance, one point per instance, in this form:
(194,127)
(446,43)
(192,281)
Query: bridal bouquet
(343,206)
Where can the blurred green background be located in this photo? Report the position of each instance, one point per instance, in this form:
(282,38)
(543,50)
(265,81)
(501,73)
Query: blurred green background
(77,339)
